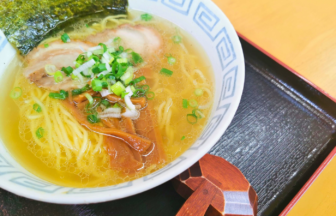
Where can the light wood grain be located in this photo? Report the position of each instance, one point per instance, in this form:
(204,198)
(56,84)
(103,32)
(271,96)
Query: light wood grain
(300,33)
(320,198)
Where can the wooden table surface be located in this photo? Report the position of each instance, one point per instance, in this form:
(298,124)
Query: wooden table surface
(300,35)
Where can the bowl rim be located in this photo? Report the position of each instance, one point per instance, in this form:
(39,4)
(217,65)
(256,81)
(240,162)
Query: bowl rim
(164,177)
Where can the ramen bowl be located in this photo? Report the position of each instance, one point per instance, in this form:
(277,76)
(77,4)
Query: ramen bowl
(203,20)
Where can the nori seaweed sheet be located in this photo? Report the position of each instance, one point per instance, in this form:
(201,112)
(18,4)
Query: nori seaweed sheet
(27,23)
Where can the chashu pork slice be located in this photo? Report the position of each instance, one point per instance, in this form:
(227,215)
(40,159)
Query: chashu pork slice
(141,39)
(59,54)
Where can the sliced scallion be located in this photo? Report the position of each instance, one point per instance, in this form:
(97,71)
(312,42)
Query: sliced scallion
(58,77)
(106,103)
(198,113)
(89,97)
(177,39)
(193,103)
(137,80)
(93,119)
(97,85)
(150,95)
(117,41)
(166,72)
(118,88)
(146,17)
(199,92)
(37,108)
(183,138)
(116,105)
(16,93)
(67,70)
(62,95)
(136,58)
(46,45)
(171,60)
(87,25)
(123,94)
(39,132)
(185,103)
(192,118)
(145,87)
(104,46)
(65,38)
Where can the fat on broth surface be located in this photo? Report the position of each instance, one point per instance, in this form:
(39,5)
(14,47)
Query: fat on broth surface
(71,155)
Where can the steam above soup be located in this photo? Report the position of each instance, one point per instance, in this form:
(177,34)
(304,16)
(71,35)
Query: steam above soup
(108,103)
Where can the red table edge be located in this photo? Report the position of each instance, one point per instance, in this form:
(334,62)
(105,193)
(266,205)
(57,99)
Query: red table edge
(285,66)
(309,183)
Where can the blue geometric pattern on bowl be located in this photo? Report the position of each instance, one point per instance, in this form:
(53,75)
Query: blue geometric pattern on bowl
(209,22)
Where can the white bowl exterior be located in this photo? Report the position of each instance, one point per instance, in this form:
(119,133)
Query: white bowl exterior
(211,28)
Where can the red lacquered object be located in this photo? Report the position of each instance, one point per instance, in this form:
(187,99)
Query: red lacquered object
(214,187)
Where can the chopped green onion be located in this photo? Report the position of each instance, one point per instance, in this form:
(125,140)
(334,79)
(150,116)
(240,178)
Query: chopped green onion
(177,39)
(58,77)
(74,77)
(65,38)
(87,25)
(67,70)
(121,48)
(123,94)
(86,76)
(50,69)
(116,105)
(104,46)
(117,41)
(80,91)
(99,68)
(122,60)
(185,103)
(37,108)
(94,57)
(183,138)
(166,72)
(145,87)
(62,95)
(80,60)
(136,58)
(150,95)
(97,85)
(89,97)
(93,119)
(199,92)
(46,45)
(146,17)
(39,132)
(114,67)
(133,89)
(192,118)
(118,88)
(16,93)
(106,103)
(109,77)
(137,80)
(121,69)
(198,113)
(171,60)
(193,103)
(128,76)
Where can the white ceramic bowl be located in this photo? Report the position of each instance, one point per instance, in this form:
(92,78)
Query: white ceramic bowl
(211,28)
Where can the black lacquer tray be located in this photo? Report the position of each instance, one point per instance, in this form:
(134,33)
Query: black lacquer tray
(282,131)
